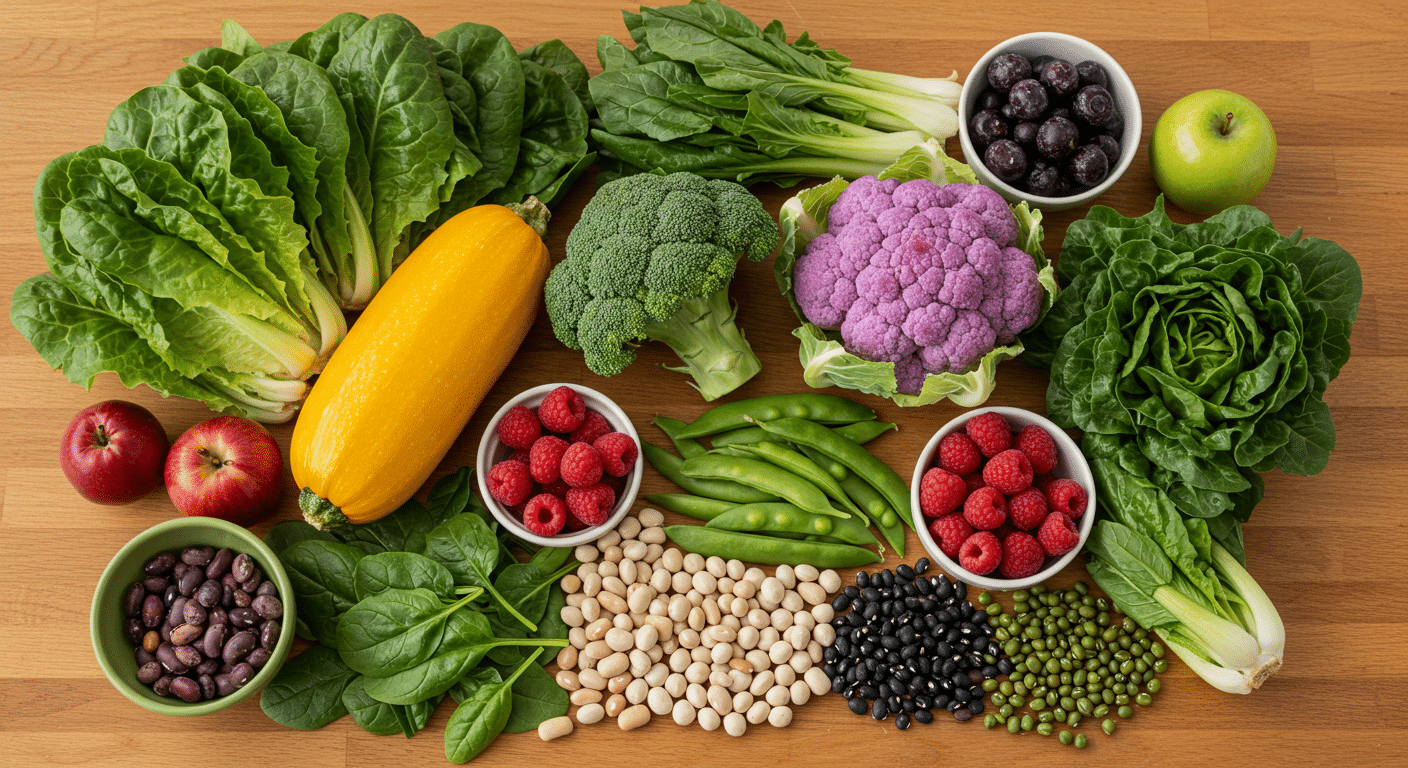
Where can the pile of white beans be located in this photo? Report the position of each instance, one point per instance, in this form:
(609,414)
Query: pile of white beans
(654,631)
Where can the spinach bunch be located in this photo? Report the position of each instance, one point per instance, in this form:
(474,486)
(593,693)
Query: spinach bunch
(428,600)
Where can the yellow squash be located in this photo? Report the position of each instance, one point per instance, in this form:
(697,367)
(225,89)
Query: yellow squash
(404,382)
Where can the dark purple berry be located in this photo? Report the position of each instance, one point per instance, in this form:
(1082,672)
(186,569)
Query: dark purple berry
(1006,69)
(1025,132)
(1006,160)
(1061,112)
(1094,105)
(1057,138)
(1115,126)
(986,127)
(1028,99)
(1110,146)
(1043,179)
(1060,77)
(989,99)
(1088,166)
(1092,73)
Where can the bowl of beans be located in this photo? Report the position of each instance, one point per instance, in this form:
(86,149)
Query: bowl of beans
(191,616)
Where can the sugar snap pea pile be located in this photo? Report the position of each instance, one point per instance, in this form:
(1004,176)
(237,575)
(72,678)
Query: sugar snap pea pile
(786,479)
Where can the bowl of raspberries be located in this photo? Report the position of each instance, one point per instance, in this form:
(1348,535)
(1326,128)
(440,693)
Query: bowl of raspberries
(1002,498)
(559,465)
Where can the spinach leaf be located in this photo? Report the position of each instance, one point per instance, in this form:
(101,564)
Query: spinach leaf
(454,494)
(394,630)
(536,697)
(289,532)
(401,531)
(481,717)
(555,55)
(323,575)
(467,546)
(307,692)
(401,570)
(550,559)
(526,587)
(374,717)
(553,140)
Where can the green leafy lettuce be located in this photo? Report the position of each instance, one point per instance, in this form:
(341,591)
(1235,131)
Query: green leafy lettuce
(825,361)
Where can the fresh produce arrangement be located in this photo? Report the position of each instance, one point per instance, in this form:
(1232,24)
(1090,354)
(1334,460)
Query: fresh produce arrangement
(657,632)
(912,284)
(706,90)
(424,602)
(204,622)
(566,468)
(1047,126)
(995,501)
(210,245)
(651,259)
(206,247)
(770,496)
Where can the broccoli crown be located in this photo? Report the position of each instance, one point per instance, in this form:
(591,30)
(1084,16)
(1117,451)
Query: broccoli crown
(644,245)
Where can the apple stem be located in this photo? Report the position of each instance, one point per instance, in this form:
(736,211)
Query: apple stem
(214,461)
(100,436)
(1226,124)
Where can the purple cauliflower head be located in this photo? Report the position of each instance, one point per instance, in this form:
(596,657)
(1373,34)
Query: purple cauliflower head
(925,276)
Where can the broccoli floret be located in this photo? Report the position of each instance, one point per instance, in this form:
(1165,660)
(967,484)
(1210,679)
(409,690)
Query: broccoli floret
(650,260)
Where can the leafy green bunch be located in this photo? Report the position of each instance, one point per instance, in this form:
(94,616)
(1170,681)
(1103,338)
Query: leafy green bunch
(427,601)
(1197,356)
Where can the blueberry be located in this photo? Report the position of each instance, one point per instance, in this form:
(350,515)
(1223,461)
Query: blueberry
(1006,159)
(1006,69)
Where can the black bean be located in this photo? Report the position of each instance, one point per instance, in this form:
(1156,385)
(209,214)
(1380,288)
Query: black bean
(902,721)
(219,563)
(878,710)
(133,629)
(840,603)
(838,684)
(904,571)
(197,556)
(862,579)
(186,689)
(922,715)
(159,564)
(922,565)
(857,705)
(132,600)
(169,596)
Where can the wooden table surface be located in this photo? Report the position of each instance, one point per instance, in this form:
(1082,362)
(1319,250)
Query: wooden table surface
(1328,550)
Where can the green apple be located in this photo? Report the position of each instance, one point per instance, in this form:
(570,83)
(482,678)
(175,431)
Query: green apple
(1212,150)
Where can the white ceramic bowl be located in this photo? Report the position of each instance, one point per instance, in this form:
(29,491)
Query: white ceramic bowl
(1070,464)
(1074,50)
(491,452)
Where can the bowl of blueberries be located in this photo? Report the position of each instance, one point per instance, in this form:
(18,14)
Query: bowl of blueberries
(1049,118)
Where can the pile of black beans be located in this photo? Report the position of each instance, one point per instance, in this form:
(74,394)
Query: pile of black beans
(204,621)
(908,644)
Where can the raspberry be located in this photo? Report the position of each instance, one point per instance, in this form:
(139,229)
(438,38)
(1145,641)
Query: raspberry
(592,504)
(1009,472)
(558,488)
(521,456)
(950,531)
(990,433)
(973,481)
(573,524)
(1067,497)
(1022,556)
(1039,447)
(1027,509)
(618,453)
(545,458)
(985,508)
(980,553)
(959,454)
(545,514)
(593,426)
(562,410)
(509,482)
(941,492)
(519,428)
(581,466)
(1058,534)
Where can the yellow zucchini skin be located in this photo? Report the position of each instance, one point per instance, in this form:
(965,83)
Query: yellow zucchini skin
(401,386)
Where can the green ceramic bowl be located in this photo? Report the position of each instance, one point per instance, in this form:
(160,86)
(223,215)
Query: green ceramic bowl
(116,655)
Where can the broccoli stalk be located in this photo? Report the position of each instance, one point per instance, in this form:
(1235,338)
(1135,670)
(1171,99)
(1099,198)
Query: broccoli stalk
(703,334)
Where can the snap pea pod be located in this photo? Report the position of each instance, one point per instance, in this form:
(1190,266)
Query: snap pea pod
(671,466)
(874,506)
(823,409)
(856,458)
(782,518)
(766,478)
(687,447)
(805,537)
(781,456)
(767,550)
(833,467)
(697,507)
(860,432)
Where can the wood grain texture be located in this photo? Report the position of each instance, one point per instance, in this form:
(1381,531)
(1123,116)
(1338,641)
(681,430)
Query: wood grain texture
(1329,550)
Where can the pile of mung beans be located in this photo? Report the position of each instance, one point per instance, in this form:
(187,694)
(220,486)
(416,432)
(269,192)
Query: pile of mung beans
(1073,659)
(655,631)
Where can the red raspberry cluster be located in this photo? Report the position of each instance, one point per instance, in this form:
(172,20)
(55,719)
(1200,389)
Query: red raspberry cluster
(567,464)
(994,503)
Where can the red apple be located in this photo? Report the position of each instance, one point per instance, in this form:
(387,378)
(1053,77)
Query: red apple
(228,467)
(113,452)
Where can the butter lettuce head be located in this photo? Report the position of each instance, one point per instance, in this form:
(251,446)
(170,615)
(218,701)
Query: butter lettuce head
(825,361)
